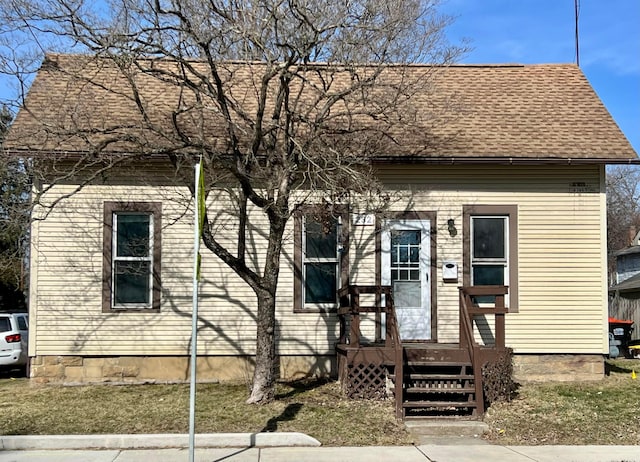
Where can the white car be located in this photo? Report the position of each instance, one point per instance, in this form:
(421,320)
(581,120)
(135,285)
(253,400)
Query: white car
(14,338)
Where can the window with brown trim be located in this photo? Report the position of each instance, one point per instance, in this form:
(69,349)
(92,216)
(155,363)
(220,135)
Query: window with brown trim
(491,249)
(320,260)
(132,256)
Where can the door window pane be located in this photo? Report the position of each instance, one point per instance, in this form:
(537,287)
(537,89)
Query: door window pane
(405,255)
(407,294)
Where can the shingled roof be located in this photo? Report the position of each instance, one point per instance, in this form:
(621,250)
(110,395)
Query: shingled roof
(505,113)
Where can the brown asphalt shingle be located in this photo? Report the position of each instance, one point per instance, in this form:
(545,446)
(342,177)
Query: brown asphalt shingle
(536,112)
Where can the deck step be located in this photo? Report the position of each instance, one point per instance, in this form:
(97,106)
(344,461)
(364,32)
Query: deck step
(439,390)
(438,363)
(423,376)
(438,404)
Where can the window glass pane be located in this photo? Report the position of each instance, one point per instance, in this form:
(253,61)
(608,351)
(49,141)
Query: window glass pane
(5,325)
(404,237)
(407,294)
(133,235)
(488,275)
(22,323)
(132,282)
(488,237)
(320,283)
(405,248)
(414,256)
(321,240)
(404,256)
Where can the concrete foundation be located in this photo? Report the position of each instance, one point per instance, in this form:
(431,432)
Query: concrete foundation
(168,369)
(557,367)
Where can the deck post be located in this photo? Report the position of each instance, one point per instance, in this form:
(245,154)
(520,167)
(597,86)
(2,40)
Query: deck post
(499,320)
(355,318)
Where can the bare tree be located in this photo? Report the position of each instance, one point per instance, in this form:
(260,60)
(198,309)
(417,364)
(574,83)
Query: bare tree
(246,93)
(14,222)
(623,209)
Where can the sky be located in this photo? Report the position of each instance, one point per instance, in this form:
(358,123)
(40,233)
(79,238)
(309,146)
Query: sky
(543,31)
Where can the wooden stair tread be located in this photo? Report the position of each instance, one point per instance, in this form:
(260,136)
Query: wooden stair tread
(427,404)
(424,376)
(439,363)
(439,390)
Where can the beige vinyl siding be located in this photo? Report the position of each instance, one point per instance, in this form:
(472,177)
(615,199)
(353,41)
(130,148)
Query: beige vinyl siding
(68,267)
(561,280)
(561,260)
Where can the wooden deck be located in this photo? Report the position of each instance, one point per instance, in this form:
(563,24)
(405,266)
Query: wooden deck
(425,379)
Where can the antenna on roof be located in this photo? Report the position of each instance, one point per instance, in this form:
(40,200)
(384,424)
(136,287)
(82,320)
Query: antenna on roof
(577,14)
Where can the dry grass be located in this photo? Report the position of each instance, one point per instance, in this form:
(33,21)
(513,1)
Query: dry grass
(315,408)
(602,412)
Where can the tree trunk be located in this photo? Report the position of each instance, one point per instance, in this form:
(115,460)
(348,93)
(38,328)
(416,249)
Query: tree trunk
(264,376)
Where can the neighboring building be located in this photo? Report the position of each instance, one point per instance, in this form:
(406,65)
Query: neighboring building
(628,261)
(515,197)
(624,295)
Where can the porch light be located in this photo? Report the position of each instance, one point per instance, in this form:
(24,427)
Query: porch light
(451,226)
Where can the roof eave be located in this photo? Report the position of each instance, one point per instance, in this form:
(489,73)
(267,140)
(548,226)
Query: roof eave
(448,160)
(454,160)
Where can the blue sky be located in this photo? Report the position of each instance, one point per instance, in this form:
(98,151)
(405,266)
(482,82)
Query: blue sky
(543,31)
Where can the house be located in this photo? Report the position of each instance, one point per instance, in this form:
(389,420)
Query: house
(624,295)
(628,260)
(506,214)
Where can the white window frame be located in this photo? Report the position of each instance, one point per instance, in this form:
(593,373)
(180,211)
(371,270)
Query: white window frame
(310,260)
(115,258)
(491,261)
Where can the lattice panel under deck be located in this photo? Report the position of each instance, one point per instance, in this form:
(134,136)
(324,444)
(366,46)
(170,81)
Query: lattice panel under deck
(366,381)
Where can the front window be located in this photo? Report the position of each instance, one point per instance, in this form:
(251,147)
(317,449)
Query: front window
(133,259)
(319,254)
(132,256)
(491,249)
(320,264)
(489,253)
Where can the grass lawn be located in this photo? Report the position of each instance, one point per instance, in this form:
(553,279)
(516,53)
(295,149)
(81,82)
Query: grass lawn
(316,408)
(603,412)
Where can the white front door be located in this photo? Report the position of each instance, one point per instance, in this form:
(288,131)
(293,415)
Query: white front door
(406,261)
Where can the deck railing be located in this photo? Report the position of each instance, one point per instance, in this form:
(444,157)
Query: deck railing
(351,310)
(350,307)
(469,308)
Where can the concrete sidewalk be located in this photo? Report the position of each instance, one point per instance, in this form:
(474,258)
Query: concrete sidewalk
(298,447)
(423,453)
